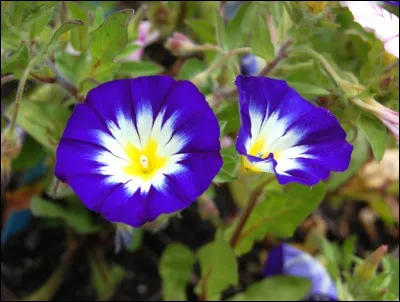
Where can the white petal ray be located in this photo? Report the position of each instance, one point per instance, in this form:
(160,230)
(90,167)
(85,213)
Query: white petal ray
(272,130)
(256,115)
(144,121)
(296,152)
(287,164)
(176,144)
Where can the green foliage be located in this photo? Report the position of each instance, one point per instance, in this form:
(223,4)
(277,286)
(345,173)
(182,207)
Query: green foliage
(219,268)
(17,62)
(230,165)
(45,122)
(261,41)
(292,205)
(175,270)
(279,288)
(375,132)
(74,215)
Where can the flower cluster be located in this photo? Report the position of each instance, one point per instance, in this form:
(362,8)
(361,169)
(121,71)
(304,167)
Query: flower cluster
(139,148)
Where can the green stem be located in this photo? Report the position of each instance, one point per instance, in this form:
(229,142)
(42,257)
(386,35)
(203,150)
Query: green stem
(350,89)
(20,91)
(246,214)
(202,76)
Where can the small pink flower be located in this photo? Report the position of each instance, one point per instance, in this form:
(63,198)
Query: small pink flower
(144,39)
(377,20)
(179,44)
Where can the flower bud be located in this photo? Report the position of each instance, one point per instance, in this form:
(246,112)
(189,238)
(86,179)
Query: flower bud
(157,225)
(366,270)
(388,116)
(123,236)
(179,44)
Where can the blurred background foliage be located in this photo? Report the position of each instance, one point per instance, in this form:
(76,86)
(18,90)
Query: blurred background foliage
(54,52)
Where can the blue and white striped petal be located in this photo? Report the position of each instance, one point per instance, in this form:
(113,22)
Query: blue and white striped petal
(283,133)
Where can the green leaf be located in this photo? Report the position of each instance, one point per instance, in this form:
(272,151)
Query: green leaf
(30,155)
(65,64)
(348,250)
(103,71)
(222,125)
(229,168)
(373,65)
(394,282)
(79,36)
(175,270)
(229,112)
(261,43)
(219,267)
(358,158)
(110,37)
(10,36)
(333,256)
(220,30)
(375,132)
(44,122)
(140,68)
(67,26)
(292,206)
(190,68)
(128,50)
(203,29)
(277,288)
(75,215)
(234,31)
(98,18)
(16,63)
(308,90)
(41,23)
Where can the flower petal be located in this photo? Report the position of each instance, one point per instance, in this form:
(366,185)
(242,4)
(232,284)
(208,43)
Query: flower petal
(287,260)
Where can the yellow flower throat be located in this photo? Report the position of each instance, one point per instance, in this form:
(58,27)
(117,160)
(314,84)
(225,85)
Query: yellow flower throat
(144,162)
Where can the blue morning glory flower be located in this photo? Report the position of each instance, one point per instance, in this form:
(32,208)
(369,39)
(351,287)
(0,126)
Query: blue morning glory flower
(139,148)
(283,133)
(287,260)
(393,3)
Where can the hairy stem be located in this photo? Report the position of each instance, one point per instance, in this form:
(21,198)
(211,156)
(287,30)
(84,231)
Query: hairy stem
(246,214)
(282,53)
(20,91)
(64,83)
(202,76)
